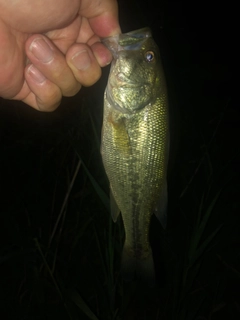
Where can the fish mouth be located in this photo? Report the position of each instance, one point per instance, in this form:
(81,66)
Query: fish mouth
(121,81)
(129,85)
(121,85)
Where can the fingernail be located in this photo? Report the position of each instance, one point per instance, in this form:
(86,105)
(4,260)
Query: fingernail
(41,50)
(36,75)
(81,60)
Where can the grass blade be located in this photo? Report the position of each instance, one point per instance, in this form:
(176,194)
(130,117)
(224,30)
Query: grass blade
(200,227)
(202,248)
(77,299)
(102,195)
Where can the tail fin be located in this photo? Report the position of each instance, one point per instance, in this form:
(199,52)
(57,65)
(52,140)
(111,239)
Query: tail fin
(142,268)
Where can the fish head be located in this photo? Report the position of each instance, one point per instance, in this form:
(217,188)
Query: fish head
(135,72)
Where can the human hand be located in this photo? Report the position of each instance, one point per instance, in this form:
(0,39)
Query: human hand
(49,48)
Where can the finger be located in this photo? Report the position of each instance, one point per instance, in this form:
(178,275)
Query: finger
(51,62)
(39,92)
(102,54)
(83,64)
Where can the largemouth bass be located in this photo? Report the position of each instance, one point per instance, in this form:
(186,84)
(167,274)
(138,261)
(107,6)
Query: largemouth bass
(135,143)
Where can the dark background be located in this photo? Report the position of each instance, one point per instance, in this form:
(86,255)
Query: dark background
(60,253)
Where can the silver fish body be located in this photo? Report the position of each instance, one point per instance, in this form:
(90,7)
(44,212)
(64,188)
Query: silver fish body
(135,143)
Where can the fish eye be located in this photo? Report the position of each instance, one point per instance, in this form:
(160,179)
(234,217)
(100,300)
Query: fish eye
(149,56)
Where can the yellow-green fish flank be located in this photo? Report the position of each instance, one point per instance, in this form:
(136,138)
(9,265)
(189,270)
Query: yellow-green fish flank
(135,143)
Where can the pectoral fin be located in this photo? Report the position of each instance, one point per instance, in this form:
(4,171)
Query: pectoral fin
(120,137)
(114,207)
(161,207)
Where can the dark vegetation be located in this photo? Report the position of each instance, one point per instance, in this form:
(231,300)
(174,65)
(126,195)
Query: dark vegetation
(60,252)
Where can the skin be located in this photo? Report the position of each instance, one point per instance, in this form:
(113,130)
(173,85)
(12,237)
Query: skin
(50,48)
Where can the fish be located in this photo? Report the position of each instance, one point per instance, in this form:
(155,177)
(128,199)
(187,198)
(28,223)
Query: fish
(135,145)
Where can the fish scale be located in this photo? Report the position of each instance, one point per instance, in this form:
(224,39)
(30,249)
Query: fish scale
(135,142)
